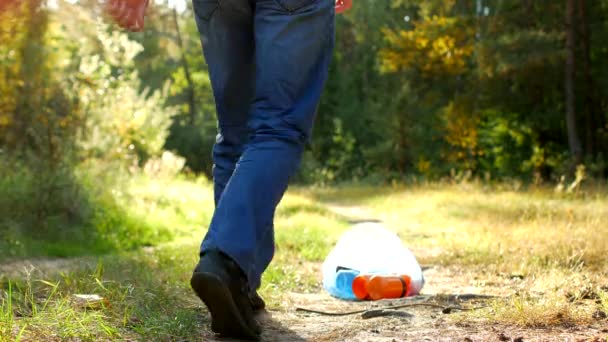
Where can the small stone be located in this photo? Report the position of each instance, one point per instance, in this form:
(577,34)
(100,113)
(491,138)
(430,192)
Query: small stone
(599,315)
(90,301)
(503,337)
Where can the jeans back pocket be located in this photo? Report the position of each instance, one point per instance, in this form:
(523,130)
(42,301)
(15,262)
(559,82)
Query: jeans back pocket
(204,9)
(294,5)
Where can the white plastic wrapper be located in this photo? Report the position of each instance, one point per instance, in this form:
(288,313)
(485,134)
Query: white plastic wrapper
(370,248)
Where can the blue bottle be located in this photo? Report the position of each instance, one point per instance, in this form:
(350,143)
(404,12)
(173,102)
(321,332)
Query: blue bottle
(342,284)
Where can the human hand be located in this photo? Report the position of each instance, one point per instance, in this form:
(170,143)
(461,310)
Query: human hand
(128,14)
(343,5)
(7,4)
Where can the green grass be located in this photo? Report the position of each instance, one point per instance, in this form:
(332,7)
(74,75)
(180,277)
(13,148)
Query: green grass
(556,242)
(146,297)
(147,290)
(128,214)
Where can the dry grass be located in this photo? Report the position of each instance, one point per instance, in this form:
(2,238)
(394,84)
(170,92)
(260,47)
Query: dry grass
(544,253)
(538,311)
(557,243)
(519,231)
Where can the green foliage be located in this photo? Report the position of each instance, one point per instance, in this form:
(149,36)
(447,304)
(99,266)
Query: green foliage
(172,47)
(194,142)
(340,162)
(417,90)
(460,85)
(67,213)
(139,123)
(71,129)
(506,144)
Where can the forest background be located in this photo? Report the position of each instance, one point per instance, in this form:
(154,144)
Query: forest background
(495,90)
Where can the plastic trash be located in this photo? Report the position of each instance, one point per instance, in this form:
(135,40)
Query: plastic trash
(365,251)
(381,286)
(343,286)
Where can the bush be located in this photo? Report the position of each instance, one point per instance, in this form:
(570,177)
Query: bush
(66,212)
(84,134)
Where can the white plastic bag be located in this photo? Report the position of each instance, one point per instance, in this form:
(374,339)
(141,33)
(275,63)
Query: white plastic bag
(370,248)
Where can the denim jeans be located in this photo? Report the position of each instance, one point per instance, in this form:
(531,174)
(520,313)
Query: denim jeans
(268,61)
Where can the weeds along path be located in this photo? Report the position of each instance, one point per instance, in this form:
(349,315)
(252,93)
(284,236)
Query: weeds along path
(505,316)
(283,323)
(550,286)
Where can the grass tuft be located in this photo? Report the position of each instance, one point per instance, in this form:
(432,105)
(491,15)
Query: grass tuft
(603,296)
(544,311)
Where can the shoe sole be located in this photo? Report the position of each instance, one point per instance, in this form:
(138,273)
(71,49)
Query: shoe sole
(226,319)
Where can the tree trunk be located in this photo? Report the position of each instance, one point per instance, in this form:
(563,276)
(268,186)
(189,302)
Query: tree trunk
(573,139)
(30,89)
(590,122)
(185,66)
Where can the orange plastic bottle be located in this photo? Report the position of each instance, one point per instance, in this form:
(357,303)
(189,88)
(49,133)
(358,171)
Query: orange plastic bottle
(360,286)
(381,287)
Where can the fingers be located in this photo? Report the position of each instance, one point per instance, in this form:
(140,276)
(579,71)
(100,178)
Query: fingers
(343,5)
(126,17)
(115,7)
(128,14)
(139,15)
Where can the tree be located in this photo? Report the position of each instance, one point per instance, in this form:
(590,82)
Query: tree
(573,139)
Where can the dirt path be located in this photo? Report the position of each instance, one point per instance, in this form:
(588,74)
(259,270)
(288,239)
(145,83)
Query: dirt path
(42,266)
(410,324)
(413,324)
(444,285)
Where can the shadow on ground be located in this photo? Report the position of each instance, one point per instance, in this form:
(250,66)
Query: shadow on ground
(273,331)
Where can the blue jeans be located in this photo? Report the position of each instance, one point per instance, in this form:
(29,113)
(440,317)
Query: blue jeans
(268,61)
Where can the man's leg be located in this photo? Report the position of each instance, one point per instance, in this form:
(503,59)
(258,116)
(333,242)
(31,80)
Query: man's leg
(293,45)
(232,66)
(228,44)
(226,28)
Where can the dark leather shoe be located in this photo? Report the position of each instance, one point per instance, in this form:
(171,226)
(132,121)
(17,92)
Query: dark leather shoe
(221,285)
(257,303)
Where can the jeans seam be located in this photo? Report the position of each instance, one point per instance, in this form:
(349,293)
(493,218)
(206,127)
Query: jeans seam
(212,12)
(292,10)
